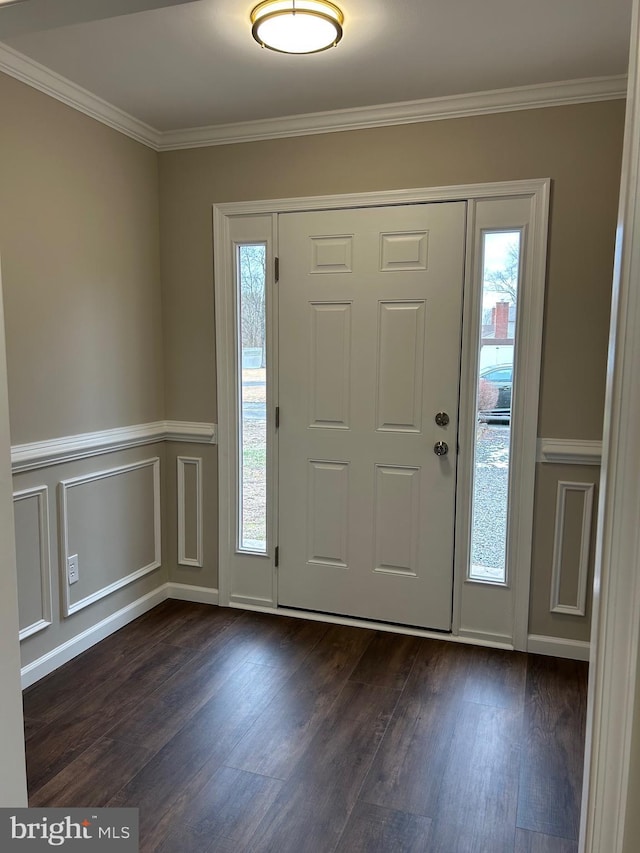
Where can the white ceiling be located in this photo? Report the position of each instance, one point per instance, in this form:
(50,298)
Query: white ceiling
(190,63)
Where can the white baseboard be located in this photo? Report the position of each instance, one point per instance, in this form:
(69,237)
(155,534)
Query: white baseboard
(558,647)
(50,661)
(197,594)
(36,670)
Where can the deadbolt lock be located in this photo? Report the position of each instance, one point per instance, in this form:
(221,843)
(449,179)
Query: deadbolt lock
(442,419)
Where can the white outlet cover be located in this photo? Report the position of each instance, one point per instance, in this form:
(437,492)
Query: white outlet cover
(73,574)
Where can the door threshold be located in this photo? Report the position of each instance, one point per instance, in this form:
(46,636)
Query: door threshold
(334,619)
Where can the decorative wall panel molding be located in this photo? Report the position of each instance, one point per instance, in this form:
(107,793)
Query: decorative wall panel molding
(569,451)
(184,462)
(41,535)
(69,607)
(56,451)
(576,605)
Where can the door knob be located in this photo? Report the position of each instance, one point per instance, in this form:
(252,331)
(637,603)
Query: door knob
(442,419)
(441,448)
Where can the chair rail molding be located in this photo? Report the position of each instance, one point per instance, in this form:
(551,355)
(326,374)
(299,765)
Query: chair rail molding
(569,451)
(56,451)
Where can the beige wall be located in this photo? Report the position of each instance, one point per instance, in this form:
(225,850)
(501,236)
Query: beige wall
(80,249)
(578,147)
(79,240)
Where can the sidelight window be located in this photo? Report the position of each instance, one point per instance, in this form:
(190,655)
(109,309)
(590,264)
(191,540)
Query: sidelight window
(501,252)
(252,397)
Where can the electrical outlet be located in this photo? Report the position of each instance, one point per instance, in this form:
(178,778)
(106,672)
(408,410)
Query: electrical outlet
(72,569)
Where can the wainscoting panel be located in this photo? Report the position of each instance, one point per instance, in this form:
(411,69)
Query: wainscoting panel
(190,511)
(111,520)
(31,512)
(570,569)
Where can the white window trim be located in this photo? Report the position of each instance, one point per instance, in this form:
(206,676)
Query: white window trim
(537,191)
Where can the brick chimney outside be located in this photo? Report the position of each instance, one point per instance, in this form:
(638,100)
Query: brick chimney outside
(502,320)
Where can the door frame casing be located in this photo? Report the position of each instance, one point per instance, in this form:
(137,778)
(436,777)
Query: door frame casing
(537,191)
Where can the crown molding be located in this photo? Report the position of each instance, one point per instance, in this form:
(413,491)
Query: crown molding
(22,68)
(407,112)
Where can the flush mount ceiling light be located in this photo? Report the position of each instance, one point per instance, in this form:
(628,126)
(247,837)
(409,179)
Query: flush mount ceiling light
(297,26)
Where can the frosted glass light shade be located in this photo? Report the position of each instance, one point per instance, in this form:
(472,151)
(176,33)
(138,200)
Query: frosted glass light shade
(297,26)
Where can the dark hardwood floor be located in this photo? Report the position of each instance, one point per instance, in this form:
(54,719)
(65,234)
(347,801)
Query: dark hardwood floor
(239,731)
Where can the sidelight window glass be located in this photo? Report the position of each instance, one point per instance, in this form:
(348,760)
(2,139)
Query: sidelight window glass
(495,397)
(252,397)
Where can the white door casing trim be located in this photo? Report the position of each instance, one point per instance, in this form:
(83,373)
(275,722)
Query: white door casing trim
(612,710)
(506,608)
(537,191)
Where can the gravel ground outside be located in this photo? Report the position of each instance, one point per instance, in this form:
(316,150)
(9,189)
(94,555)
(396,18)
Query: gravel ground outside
(254,460)
(490,491)
(490,501)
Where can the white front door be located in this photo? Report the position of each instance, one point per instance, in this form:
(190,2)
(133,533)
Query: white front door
(370,313)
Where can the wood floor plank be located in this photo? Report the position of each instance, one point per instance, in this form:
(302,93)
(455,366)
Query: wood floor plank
(478,800)
(203,622)
(372,829)
(51,697)
(387,661)
(31,727)
(440,669)
(496,677)
(407,772)
(183,839)
(229,806)
(94,777)
(314,805)
(232,805)
(555,720)
(155,721)
(284,643)
(283,731)
(535,842)
(62,740)
(199,749)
